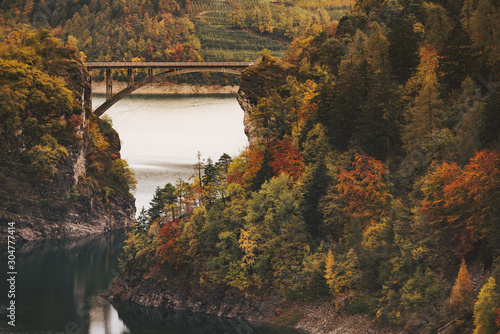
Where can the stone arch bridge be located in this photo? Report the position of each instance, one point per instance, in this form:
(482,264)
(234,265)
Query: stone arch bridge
(156,71)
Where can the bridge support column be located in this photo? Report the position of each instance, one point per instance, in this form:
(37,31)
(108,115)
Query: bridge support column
(150,72)
(109,85)
(130,77)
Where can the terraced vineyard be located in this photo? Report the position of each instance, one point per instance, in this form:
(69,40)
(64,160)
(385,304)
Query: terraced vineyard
(222,39)
(221,43)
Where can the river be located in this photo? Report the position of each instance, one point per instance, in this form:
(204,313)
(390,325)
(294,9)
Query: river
(162,135)
(59,282)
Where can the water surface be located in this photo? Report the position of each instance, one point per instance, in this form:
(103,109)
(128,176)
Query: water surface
(58,290)
(60,282)
(161,135)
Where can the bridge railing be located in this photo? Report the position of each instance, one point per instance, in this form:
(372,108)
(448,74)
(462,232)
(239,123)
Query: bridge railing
(168,65)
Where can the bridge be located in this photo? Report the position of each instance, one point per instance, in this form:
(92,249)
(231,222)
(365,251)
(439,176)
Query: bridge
(156,71)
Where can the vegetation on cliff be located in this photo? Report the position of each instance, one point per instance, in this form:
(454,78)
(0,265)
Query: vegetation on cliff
(55,156)
(171,30)
(373,177)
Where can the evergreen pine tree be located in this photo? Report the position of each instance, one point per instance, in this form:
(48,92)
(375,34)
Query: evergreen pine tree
(455,60)
(315,189)
(403,48)
(425,116)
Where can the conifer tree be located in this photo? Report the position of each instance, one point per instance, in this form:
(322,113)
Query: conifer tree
(438,24)
(466,14)
(403,48)
(462,297)
(425,116)
(455,60)
(486,32)
(485,308)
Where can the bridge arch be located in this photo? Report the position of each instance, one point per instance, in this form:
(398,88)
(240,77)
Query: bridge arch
(171,70)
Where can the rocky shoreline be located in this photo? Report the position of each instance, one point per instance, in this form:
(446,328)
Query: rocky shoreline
(74,224)
(314,318)
(99,87)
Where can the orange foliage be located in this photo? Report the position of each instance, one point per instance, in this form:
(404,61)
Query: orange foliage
(285,158)
(246,166)
(464,199)
(433,207)
(364,190)
(169,249)
(497,320)
(472,196)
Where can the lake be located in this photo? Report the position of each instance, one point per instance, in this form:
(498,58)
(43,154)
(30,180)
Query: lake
(60,282)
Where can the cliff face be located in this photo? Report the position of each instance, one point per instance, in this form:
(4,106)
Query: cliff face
(256,82)
(315,318)
(50,145)
(53,211)
(131,287)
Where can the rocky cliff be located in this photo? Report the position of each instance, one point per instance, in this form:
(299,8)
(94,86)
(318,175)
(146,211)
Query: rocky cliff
(316,318)
(256,82)
(60,166)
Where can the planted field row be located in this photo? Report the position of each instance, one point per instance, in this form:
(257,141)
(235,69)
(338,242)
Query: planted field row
(221,37)
(235,55)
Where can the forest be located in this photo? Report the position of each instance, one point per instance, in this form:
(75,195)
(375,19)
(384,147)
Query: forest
(45,123)
(372,180)
(168,30)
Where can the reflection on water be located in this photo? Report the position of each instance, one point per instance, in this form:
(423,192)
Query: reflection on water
(58,289)
(141,320)
(161,135)
(58,283)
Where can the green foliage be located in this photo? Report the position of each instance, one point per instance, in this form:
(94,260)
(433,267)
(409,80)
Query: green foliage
(392,85)
(485,309)
(45,157)
(123,176)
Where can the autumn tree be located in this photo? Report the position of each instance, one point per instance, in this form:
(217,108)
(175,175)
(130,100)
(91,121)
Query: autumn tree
(46,156)
(424,116)
(462,298)
(485,309)
(461,205)
(274,239)
(438,24)
(365,191)
(285,158)
(169,249)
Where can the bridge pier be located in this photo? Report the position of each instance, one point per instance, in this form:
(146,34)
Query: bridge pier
(130,77)
(168,68)
(109,85)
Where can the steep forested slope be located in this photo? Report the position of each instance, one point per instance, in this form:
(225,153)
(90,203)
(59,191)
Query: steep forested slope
(60,166)
(372,179)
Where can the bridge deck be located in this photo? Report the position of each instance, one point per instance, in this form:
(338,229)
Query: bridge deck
(152,64)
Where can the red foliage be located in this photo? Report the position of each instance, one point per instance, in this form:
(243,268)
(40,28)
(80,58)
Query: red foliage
(285,158)
(464,200)
(169,249)
(250,162)
(364,190)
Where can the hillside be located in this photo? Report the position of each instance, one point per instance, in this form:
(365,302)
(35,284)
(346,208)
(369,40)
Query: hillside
(371,183)
(178,30)
(60,166)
